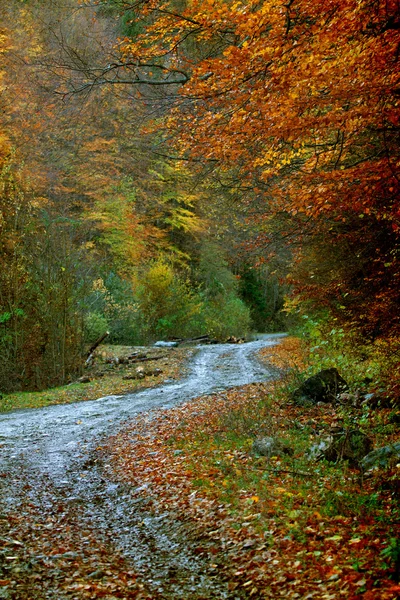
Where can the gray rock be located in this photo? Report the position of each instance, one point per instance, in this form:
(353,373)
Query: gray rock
(317,450)
(351,445)
(151,372)
(375,400)
(269,446)
(322,387)
(98,574)
(381,457)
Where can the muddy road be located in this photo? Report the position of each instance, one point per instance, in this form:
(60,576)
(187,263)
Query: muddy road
(46,463)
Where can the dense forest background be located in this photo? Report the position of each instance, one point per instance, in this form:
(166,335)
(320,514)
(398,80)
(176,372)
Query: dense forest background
(180,168)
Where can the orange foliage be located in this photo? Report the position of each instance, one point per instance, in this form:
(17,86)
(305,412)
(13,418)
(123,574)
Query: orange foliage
(302,100)
(288,354)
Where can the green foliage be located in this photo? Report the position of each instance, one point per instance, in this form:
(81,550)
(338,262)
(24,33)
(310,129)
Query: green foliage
(168,306)
(341,502)
(171,306)
(95,325)
(392,553)
(112,307)
(329,345)
(42,287)
(213,272)
(127,25)
(263,294)
(226,316)
(6,316)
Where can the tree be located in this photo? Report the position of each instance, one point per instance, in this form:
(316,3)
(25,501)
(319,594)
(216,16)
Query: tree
(302,99)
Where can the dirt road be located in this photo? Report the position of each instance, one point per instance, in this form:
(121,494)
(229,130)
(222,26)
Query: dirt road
(47,469)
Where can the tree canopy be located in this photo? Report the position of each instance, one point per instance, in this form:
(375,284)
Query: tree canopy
(158,133)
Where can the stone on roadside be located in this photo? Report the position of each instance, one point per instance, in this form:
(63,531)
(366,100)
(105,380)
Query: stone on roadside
(322,387)
(381,457)
(269,446)
(351,445)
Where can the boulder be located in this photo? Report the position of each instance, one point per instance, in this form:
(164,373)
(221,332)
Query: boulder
(152,372)
(322,387)
(376,400)
(317,450)
(352,445)
(269,446)
(138,374)
(381,457)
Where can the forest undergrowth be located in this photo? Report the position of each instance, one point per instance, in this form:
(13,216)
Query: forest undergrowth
(284,526)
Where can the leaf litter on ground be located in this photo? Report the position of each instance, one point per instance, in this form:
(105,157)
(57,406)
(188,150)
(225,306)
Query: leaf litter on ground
(284,527)
(278,527)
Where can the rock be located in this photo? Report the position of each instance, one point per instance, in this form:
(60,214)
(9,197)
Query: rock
(381,457)
(350,399)
(269,446)
(322,387)
(375,400)
(84,379)
(138,374)
(112,360)
(152,372)
(351,445)
(98,574)
(317,450)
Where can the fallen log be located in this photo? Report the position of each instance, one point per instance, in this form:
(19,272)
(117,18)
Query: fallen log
(200,338)
(97,343)
(147,358)
(89,355)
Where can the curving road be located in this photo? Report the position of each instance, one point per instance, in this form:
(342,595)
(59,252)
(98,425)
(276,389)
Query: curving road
(53,444)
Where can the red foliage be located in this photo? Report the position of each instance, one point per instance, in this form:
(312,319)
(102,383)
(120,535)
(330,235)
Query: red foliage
(302,100)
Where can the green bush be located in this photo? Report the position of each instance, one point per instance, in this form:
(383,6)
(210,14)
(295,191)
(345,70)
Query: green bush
(95,325)
(226,316)
(168,305)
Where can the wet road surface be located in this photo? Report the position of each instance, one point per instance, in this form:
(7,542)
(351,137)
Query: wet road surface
(52,446)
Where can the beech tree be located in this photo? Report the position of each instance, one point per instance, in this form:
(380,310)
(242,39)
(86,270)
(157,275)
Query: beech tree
(302,99)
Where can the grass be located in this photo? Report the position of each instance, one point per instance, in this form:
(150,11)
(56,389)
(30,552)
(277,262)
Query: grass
(324,508)
(111,383)
(286,525)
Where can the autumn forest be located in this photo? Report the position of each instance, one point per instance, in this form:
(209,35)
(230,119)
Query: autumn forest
(183,168)
(199,299)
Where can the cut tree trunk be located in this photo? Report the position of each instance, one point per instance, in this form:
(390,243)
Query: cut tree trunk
(93,347)
(147,358)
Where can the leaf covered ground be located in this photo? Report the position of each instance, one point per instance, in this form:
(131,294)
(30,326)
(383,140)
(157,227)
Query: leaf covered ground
(279,527)
(286,527)
(45,552)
